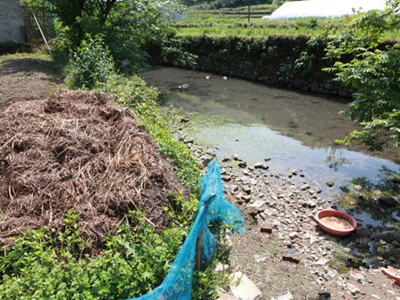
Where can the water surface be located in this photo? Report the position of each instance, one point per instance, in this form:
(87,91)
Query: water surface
(295,130)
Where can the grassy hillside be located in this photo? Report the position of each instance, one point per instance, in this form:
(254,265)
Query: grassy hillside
(234,22)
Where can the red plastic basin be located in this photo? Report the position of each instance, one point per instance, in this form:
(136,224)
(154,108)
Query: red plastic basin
(339,214)
(391,274)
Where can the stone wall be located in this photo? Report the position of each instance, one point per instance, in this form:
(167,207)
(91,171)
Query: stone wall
(12,26)
(273,60)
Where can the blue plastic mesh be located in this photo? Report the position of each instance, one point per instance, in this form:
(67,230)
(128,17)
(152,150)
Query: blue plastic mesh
(212,207)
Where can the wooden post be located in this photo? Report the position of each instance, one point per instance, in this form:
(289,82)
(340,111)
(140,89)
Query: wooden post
(199,242)
(41,31)
(248,6)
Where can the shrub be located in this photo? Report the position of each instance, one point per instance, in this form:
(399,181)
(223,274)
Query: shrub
(90,66)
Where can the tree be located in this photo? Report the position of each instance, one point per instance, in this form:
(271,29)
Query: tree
(369,65)
(127,27)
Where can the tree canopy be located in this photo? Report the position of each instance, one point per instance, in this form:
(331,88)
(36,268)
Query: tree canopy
(367,63)
(127,27)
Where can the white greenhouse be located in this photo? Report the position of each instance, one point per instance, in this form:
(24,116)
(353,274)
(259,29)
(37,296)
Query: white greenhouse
(325,8)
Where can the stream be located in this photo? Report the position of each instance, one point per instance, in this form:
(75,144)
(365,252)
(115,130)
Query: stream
(258,122)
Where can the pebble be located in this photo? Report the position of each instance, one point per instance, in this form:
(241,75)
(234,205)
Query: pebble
(305,187)
(242,164)
(184,120)
(330,183)
(354,290)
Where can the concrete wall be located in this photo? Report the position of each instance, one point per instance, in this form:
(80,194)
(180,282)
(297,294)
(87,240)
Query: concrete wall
(12,26)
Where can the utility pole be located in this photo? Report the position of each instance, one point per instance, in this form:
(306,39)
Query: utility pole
(248,6)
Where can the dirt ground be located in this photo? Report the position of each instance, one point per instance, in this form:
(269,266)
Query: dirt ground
(24,79)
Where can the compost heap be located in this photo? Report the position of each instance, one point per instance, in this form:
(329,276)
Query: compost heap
(79,151)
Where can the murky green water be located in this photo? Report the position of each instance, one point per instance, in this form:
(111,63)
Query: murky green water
(295,130)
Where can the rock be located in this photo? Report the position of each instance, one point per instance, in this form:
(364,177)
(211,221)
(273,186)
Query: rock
(387,200)
(321,262)
(242,164)
(247,189)
(353,289)
(267,159)
(330,183)
(294,172)
(359,277)
(311,204)
(389,236)
(225,78)
(312,238)
(293,235)
(375,296)
(185,120)
(362,232)
(305,187)
(287,296)
(234,188)
(258,165)
(246,198)
(226,178)
(235,156)
(243,288)
(276,224)
(261,165)
(226,159)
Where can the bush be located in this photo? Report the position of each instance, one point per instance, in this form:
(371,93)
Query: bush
(90,66)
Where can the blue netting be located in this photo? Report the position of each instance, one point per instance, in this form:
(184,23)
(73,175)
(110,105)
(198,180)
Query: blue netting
(212,207)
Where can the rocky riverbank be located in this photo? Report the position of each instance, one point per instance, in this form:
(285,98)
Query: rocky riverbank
(285,253)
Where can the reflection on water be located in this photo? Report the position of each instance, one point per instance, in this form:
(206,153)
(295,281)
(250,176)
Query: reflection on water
(257,122)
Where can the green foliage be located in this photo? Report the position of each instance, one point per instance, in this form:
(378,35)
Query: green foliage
(90,66)
(133,262)
(173,54)
(305,63)
(373,71)
(127,27)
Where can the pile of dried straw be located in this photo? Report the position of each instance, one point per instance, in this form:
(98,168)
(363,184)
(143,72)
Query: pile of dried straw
(78,151)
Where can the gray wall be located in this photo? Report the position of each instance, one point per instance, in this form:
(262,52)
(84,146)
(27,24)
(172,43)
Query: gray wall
(12,26)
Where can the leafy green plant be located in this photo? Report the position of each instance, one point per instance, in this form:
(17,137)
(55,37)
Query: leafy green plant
(373,71)
(133,262)
(91,65)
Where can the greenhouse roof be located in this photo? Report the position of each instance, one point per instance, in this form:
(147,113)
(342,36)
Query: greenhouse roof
(325,8)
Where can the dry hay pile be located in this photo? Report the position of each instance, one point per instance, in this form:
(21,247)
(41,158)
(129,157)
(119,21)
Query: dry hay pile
(78,151)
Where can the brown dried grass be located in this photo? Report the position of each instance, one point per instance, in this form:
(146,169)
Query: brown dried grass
(78,151)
